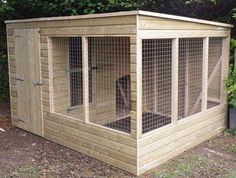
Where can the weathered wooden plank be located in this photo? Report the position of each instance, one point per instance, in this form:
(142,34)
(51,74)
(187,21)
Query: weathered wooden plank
(97,30)
(178,143)
(114,147)
(150,34)
(181,149)
(92,153)
(108,21)
(153,23)
(161,143)
(90,128)
(181,124)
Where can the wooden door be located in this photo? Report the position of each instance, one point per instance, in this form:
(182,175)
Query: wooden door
(27,53)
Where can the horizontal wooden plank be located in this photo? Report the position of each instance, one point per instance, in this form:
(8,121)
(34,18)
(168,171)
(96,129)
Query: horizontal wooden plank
(43,39)
(98,30)
(87,141)
(179,142)
(95,154)
(44,53)
(44,46)
(154,23)
(182,124)
(151,34)
(178,150)
(108,21)
(10,32)
(90,128)
(162,143)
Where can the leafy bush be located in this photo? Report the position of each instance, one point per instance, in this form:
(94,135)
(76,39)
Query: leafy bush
(230,86)
(233,132)
(4,84)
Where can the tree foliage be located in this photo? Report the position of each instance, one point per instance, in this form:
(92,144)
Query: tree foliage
(217,10)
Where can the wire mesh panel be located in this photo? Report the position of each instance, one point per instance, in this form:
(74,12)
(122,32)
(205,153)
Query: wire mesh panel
(67,76)
(109,60)
(75,71)
(190,76)
(156,79)
(214,72)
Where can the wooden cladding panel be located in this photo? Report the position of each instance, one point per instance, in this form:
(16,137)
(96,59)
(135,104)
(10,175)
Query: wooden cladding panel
(106,145)
(125,20)
(154,23)
(12,72)
(156,148)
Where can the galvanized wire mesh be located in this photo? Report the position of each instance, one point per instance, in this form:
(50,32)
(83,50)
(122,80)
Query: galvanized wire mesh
(214,72)
(109,59)
(156,79)
(67,76)
(190,76)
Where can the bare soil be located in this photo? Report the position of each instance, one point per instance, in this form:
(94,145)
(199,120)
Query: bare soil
(23,154)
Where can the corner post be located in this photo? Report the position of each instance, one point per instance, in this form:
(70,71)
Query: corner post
(85,78)
(205,73)
(174,80)
(139,88)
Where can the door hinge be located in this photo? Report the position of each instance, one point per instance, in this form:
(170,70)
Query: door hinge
(19,79)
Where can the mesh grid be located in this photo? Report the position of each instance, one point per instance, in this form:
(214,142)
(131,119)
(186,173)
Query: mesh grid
(214,71)
(67,76)
(190,76)
(75,71)
(156,79)
(109,59)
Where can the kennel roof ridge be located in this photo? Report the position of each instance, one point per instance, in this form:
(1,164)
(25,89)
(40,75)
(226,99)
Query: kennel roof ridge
(122,13)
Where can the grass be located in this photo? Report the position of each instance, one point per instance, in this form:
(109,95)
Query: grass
(231,174)
(231,148)
(231,132)
(25,170)
(209,144)
(180,168)
(163,174)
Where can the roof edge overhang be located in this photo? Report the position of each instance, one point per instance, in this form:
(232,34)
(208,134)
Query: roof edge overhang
(123,13)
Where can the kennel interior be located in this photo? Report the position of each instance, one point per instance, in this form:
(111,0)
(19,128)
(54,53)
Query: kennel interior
(133,89)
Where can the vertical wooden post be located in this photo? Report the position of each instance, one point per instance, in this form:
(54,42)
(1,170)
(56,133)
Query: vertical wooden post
(224,67)
(205,73)
(51,74)
(139,87)
(85,78)
(175,77)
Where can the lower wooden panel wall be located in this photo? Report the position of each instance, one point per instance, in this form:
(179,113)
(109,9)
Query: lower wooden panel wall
(157,148)
(120,150)
(114,148)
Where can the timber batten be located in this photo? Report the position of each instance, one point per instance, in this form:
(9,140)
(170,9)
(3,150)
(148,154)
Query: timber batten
(106,84)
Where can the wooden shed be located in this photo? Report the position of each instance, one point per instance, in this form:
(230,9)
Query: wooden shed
(133,89)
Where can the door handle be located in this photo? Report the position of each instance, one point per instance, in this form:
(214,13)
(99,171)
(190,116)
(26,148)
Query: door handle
(19,79)
(36,82)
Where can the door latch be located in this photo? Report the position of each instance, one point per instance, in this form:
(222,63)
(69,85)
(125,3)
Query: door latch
(36,82)
(19,79)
